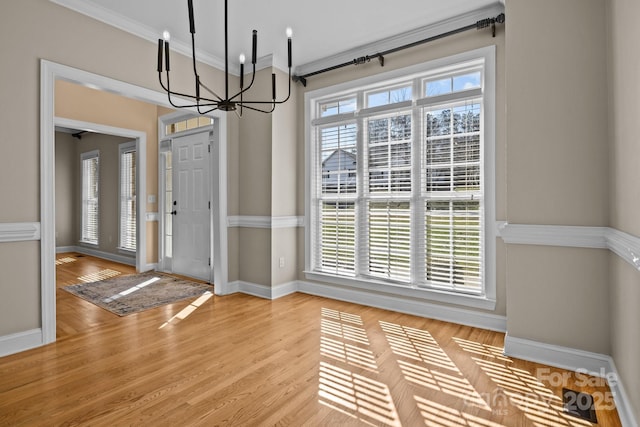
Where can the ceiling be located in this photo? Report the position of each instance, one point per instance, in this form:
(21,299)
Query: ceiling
(321,29)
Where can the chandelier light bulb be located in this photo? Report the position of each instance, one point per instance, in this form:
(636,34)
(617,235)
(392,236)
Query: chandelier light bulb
(289,32)
(166,35)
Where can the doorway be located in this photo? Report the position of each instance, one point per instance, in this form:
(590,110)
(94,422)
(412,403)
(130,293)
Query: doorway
(185,190)
(49,73)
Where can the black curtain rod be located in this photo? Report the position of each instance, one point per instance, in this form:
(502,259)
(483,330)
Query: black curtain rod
(483,23)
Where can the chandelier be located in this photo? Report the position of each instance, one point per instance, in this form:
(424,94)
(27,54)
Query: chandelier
(211,101)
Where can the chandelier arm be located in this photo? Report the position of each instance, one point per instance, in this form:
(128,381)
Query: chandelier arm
(184,95)
(273,101)
(242,91)
(209,102)
(211,92)
(273,107)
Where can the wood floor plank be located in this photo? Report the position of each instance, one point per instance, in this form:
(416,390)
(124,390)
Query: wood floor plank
(299,360)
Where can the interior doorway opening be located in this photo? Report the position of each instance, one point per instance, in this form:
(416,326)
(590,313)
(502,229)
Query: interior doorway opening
(50,72)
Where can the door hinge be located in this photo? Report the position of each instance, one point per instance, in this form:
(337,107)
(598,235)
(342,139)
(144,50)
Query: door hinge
(209,148)
(209,261)
(209,205)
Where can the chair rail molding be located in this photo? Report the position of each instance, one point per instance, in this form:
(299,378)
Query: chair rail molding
(256,221)
(625,245)
(19,231)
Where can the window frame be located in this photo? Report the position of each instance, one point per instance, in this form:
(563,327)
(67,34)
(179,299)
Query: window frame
(127,148)
(419,74)
(84,239)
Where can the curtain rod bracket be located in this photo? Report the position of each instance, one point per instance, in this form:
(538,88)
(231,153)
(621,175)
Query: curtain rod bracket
(300,79)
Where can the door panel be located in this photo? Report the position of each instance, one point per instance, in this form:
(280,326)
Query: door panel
(191,221)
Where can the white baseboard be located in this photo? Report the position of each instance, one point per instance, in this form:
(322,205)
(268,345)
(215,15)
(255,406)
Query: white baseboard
(460,316)
(423,309)
(597,364)
(558,356)
(149,267)
(623,404)
(21,341)
(122,259)
(261,291)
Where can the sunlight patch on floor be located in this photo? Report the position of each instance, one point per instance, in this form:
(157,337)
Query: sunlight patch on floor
(530,395)
(438,415)
(429,365)
(185,312)
(131,289)
(357,396)
(99,275)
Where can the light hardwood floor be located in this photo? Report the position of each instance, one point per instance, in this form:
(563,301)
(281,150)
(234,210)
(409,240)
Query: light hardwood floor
(299,360)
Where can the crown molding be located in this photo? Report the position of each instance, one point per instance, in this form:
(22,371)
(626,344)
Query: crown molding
(138,29)
(402,39)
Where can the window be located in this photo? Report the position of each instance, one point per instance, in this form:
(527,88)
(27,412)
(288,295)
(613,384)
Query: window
(401,181)
(90,196)
(128,221)
(188,124)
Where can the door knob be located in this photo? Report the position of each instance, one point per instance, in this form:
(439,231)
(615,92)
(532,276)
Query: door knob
(174,212)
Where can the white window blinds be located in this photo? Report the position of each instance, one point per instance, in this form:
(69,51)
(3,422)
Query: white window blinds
(398,181)
(128,196)
(90,162)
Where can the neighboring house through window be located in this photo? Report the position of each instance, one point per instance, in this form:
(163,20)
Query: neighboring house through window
(401,174)
(90,196)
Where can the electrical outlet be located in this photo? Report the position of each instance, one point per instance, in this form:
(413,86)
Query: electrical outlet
(281,262)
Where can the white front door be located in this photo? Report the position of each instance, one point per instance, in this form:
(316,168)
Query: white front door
(191,206)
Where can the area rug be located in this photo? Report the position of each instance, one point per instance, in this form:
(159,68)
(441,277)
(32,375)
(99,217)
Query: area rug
(137,292)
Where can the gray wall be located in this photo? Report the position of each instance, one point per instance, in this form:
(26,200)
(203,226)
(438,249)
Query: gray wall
(624,155)
(69,188)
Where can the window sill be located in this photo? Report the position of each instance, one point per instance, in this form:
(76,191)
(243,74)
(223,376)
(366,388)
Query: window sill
(89,244)
(476,301)
(128,252)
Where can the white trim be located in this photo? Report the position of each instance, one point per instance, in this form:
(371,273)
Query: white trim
(19,231)
(141,173)
(146,32)
(141,30)
(621,399)
(402,39)
(122,259)
(554,355)
(254,221)
(485,56)
(596,364)
(417,294)
(21,341)
(625,245)
(263,291)
(152,216)
(49,73)
(553,235)
(456,315)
